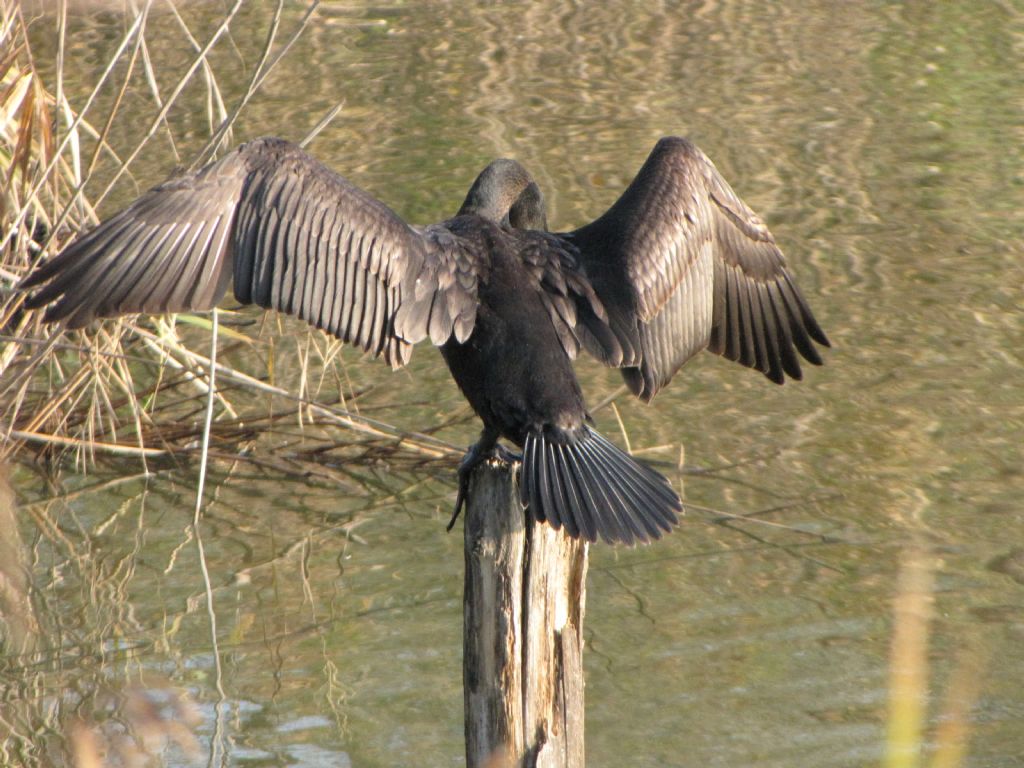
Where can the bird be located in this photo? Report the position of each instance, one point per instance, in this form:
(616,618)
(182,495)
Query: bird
(678,264)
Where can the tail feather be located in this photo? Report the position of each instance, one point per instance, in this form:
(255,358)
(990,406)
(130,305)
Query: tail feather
(607,507)
(540,487)
(529,486)
(589,512)
(641,526)
(567,496)
(654,498)
(543,482)
(583,483)
(644,484)
(571,498)
(648,478)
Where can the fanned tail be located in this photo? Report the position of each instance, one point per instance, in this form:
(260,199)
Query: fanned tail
(581,481)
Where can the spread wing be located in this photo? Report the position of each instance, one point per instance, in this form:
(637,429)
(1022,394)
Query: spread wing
(293,235)
(682,264)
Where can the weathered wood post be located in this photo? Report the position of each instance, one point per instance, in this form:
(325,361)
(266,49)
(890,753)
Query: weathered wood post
(523,603)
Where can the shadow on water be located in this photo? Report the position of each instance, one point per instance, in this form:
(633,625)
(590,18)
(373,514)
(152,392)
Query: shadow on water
(846,587)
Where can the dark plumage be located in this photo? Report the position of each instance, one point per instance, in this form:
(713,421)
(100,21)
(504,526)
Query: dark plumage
(678,264)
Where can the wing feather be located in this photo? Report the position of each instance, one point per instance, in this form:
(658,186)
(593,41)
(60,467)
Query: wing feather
(299,246)
(293,235)
(575,311)
(123,273)
(178,291)
(679,228)
(755,354)
(735,328)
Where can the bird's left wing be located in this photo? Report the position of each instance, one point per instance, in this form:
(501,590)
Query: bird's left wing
(684,262)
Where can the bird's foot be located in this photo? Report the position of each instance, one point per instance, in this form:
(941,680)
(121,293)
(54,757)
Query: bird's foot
(475,456)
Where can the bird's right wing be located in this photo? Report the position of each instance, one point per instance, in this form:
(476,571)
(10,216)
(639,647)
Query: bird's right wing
(295,237)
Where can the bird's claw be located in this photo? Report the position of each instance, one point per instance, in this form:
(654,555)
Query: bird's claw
(474,456)
(460,498)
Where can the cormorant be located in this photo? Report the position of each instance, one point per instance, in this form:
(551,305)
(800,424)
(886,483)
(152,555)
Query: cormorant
(678,264)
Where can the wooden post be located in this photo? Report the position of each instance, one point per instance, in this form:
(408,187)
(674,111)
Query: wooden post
(523,603)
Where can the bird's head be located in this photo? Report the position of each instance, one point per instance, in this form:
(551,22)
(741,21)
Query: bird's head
(506,194)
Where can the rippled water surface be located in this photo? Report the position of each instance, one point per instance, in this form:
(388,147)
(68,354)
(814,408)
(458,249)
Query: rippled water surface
(882,142)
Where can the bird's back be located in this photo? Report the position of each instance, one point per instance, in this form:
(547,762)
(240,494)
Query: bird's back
(513,369)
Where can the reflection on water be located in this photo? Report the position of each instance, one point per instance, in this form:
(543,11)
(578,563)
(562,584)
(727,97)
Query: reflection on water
(883,145)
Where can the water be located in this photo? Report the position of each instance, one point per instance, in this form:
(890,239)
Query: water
(882,143)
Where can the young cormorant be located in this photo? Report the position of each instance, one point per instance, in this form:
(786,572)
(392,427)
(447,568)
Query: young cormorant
(678,264)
